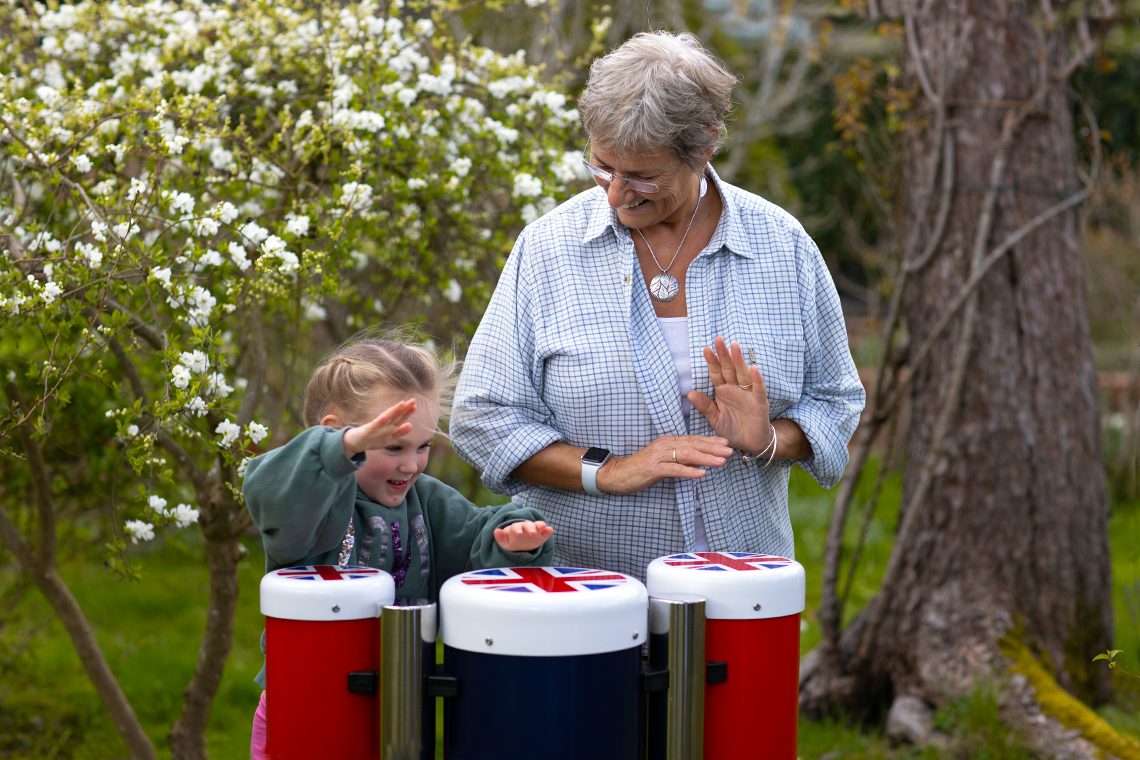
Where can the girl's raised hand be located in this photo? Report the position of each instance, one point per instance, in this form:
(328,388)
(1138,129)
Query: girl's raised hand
(382,431)
(523,536)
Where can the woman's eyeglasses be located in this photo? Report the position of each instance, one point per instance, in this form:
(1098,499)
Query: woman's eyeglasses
(639,185)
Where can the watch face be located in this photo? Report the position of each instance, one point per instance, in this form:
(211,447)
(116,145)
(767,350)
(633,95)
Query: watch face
(594,455)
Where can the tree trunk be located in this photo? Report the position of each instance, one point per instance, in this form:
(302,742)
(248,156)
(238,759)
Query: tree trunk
(1004,527)
(222,520)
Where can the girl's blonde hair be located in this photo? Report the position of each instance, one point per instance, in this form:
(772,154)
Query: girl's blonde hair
(348,379)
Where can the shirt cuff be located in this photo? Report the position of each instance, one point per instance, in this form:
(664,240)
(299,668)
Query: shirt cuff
(518,447)
(334,459)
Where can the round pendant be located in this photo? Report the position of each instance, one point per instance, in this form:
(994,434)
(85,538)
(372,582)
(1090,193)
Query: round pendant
(664,287)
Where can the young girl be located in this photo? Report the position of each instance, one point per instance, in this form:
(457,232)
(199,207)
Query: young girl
(350,490)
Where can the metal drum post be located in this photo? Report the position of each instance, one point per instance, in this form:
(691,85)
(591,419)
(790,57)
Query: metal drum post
(677,643)
(401,704)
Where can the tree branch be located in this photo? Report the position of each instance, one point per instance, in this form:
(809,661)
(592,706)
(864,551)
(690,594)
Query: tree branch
(41,482)
(153,337)
(919,65)
(11,535)
(945,202)
(971,284)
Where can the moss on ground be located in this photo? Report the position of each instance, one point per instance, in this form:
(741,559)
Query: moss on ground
(1060,704)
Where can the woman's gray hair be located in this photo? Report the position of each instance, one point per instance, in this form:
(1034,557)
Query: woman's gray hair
(658,90)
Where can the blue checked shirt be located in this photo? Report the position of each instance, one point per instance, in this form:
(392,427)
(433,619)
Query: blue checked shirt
(570,350)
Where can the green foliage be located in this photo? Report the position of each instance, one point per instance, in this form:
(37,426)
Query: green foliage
(976,729)
(188,190)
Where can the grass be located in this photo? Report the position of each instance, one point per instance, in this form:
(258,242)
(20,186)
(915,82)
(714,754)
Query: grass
(150,633)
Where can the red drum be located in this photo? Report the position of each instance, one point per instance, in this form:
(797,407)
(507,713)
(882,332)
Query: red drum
(320,626)
(752,616)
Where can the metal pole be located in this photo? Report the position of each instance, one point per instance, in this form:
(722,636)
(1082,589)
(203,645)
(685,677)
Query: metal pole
(401,704)
(677,641)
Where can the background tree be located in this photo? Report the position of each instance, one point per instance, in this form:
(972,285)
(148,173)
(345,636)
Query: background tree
(185,190)
(1002,552)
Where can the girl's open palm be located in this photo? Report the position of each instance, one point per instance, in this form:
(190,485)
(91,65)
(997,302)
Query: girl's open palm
(523,536)
(740,412)
(382,431)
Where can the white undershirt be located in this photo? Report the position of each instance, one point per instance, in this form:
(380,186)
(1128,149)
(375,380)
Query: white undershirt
(676,332)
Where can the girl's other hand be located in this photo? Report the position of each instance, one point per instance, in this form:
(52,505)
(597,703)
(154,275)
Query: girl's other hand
(523,536)
(382,431)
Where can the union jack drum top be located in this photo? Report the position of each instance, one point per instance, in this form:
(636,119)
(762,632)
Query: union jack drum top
(326,592)
(736,585)
(543,611)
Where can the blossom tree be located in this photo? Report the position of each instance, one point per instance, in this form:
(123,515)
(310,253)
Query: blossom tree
(183,187)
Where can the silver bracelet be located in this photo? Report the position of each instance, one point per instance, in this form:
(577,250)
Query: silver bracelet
(771,458)
(750,458)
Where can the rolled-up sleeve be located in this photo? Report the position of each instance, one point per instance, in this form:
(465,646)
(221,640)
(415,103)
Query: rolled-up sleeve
(499,419)
(833,396)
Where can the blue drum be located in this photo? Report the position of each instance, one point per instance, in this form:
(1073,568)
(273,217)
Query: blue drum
(547,662)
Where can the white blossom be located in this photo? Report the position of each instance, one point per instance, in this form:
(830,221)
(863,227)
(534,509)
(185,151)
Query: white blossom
(183,515)
(357,195)
(162,274)
(139,530)
(453,292)
(243,467)
(156,503)
(51,292)
(297,226)
(257,432)
(417,183)
(461,166)
(180,376)
(99,230)
(527,186)
(254,232)
(132,430)
(81,163)
(182,203)
(237,253)
(197,407)
(195,361)
(228,431)
(226,212)
(211,258)
(125,230)
(216,384)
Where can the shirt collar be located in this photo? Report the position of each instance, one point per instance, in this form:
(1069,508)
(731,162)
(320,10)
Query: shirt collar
(729,230)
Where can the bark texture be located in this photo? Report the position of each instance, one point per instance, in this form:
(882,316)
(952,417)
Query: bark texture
(1007,531)
(39,562)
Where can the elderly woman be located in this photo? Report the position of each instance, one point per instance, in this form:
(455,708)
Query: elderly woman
(661,291)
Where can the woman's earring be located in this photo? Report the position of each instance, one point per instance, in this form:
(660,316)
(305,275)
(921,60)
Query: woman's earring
(704,186)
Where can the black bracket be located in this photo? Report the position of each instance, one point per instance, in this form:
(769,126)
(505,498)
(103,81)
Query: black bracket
(439,685)
(716,672)
(653,681)
(364,681)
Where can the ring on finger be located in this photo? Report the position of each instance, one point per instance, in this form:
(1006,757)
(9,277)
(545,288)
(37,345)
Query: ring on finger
(745,387)
(675,457)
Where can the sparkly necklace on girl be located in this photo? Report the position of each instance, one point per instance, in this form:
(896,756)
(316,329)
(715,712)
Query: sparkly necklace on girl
(664,287)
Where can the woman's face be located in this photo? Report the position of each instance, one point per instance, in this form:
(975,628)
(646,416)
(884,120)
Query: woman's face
(672,204)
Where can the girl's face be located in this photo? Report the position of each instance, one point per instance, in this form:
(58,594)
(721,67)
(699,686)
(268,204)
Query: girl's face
(389,472)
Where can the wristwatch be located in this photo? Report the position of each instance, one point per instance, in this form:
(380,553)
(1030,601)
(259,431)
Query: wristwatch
(592,461)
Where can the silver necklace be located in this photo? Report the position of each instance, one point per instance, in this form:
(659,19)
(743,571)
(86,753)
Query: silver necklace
(664,287)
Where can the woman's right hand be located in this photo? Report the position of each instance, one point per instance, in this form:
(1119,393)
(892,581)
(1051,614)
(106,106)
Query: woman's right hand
(389,425)
(670,456)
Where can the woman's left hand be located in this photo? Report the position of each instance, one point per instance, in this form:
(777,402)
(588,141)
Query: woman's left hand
(740,412)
